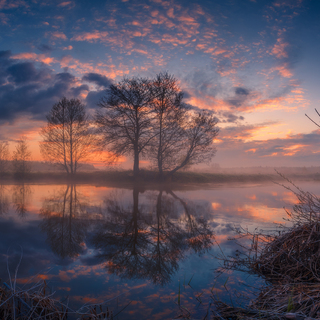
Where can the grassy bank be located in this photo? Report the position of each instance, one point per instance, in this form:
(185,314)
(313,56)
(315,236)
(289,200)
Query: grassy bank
(149,177)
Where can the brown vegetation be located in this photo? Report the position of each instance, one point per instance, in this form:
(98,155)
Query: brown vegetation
(288,260)
(37,302)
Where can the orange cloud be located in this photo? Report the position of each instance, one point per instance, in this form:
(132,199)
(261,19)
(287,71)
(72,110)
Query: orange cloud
(67,48)
(293,149)
(35,57)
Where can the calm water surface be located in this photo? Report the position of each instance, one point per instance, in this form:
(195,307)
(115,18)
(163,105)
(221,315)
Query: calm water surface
(94,243)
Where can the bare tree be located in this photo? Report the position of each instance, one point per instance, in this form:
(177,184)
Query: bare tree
(4,157)
(66,139)
(169,118)
(125,121)
(144,117)
(183,137)
(198,147)
(21,159)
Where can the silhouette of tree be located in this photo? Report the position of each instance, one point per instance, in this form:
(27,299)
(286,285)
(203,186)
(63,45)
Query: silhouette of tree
(21,198)
(4,157)
(64,221)
(125,121)
(138,245)
(21,158)
(169,119)
(66,139)
(182,136)
(199,133)
(143,117)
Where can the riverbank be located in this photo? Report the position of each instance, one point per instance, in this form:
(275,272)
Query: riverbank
(114,178)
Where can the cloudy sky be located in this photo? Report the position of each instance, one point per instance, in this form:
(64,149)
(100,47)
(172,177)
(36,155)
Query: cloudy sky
(254,63)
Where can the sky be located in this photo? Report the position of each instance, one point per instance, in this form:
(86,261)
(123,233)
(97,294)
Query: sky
(253,63)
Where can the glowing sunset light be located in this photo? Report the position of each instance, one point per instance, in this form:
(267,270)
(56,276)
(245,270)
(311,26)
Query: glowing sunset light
(252,64)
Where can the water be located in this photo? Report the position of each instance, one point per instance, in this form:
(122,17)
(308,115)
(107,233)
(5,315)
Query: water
(95,243)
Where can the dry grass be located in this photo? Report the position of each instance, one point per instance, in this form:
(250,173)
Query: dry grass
(36,303)
(289,260)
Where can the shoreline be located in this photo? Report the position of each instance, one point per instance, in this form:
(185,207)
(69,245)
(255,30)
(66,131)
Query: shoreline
(150,178)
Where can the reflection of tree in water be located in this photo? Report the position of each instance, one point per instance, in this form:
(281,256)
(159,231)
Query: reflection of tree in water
(148,242)
(21,198)
(199,236)
(4,200)
(65,223)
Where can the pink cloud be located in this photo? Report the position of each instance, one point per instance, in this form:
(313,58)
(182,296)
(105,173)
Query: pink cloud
(58,35)
(279,49)
(35,57)
(69,4)
(90,36)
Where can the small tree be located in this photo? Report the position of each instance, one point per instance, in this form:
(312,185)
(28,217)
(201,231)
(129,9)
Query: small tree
(125,121)
(21,158)
(4,157)
(66,139)
(199,132)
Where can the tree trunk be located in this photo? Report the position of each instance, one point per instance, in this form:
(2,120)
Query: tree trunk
(160,164)
(136,162)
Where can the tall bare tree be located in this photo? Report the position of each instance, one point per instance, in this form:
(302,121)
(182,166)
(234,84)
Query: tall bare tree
(66,139)
(183,137)
(21,159)
(169,117)
(125,121)
(143,117)
(4,157)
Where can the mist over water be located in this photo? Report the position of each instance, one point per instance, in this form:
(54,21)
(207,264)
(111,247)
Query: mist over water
(94,243)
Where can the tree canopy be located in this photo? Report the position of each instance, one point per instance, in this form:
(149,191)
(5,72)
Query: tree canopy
(143,117)
(66,139)
(125,119)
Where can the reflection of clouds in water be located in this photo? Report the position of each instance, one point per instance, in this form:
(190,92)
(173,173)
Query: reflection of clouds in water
(147,241)
(213,209)
(36,257)
(247,205)
(64,221)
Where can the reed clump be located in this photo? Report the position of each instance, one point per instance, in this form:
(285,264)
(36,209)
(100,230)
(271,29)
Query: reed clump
(293,256)
(37,303)
(280,301)
(289,261)
(32,303)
